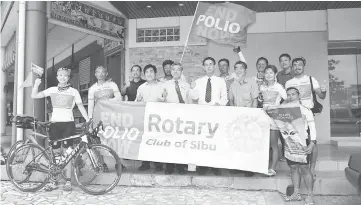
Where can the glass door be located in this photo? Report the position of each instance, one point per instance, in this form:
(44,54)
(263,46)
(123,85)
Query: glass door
(345,94)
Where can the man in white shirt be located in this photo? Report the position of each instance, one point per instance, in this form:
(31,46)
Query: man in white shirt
(176,91)
(150,91)
(303,84)
(209,90)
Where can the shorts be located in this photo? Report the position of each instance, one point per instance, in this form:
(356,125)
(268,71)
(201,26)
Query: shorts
(290,162)
(61,130)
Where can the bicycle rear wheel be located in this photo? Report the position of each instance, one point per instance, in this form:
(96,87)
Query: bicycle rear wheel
(28,167)
(92,175)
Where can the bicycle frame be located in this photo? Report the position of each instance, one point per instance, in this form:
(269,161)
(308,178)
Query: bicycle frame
(73,154)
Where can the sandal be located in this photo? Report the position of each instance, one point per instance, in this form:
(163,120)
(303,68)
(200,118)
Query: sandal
(293,197)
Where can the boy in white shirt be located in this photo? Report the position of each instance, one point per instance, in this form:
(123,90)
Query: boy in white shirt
(63,99)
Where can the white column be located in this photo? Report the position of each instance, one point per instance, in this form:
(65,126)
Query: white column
(20,65)
(3,82)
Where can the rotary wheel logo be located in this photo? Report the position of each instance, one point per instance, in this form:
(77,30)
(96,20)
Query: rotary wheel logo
(60,100)
(245,134)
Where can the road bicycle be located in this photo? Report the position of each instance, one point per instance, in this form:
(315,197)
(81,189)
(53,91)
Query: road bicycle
(31,167)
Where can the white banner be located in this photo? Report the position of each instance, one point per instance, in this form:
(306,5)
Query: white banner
(212,136)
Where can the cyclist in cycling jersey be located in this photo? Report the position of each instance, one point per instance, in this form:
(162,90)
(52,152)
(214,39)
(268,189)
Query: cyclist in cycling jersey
(63,98)
(103,89)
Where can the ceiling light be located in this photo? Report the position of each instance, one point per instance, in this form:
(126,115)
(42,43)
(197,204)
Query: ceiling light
(149,6)
(180,4)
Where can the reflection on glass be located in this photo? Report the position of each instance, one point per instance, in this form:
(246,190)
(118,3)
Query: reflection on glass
(345,95)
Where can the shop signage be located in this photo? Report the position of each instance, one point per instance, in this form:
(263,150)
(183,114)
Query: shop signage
(111,47)
(87,18)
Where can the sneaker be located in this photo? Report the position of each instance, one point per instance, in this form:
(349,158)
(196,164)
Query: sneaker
(271,173)
(51,186)
(67,186)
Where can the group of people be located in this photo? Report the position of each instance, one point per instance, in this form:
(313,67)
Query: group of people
(269,88)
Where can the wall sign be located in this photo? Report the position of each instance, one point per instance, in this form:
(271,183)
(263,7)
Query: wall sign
(111,47)
(85,18)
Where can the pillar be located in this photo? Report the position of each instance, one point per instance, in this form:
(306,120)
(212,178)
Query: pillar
(3,82)
(35,52)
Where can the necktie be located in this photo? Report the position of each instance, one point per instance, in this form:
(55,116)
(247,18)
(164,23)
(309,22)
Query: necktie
(178,92)
(209,91)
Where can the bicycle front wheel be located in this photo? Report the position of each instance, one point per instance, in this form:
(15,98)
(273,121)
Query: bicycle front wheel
(12,149)
(97,169)
(28,167)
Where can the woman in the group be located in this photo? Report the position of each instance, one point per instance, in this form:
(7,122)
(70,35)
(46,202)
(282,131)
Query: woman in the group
(272,93)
